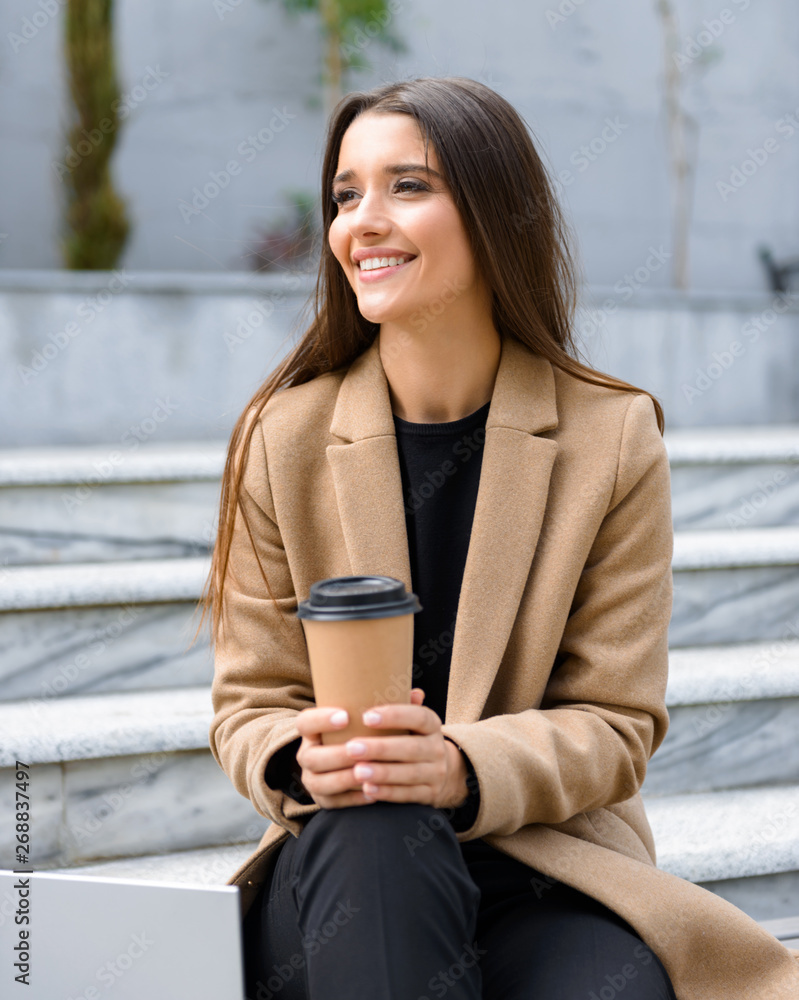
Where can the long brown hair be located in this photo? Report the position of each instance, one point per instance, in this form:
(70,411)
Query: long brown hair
(519,238)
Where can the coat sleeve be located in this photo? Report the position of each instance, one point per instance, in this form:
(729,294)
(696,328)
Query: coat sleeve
(603,713)
(262,675)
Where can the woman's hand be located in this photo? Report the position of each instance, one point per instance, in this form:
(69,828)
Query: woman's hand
(421,767)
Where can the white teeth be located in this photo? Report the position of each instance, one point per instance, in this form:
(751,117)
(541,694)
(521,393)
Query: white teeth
(372,262)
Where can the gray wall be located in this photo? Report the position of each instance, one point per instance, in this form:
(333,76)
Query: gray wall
(216,78)
(146,358)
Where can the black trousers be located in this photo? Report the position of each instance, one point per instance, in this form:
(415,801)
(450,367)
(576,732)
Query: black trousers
(382,902)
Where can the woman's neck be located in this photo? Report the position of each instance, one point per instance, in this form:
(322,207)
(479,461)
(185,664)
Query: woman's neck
(439,377)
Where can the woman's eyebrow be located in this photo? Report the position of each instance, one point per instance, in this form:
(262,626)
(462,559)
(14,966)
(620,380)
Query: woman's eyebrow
(391,169)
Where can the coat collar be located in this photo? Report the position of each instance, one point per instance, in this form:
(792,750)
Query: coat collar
(511,498)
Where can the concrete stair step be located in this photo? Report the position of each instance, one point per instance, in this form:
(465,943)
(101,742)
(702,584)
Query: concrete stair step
(27,588)
(747,444)
(735,586)
(733,715)
(77,629)
(105,725)
(81,628)
(734,477)
(733,719)
(738,833)
(145,500)
(727,842)
(118,773)
(785,929)
(101,503)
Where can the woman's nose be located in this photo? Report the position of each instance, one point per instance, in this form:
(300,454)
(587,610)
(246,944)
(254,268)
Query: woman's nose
(369,214)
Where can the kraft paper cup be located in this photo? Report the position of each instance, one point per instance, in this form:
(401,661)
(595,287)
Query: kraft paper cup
(359,634)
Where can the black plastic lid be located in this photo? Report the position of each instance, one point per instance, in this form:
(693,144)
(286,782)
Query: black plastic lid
(346,597)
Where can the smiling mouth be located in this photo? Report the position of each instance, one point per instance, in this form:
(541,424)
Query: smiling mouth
(380,272)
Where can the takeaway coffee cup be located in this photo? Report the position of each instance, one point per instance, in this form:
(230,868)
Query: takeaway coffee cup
(359,633)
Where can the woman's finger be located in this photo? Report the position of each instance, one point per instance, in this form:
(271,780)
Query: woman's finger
(417,718)
(331,784)
(399,748)
(312,721)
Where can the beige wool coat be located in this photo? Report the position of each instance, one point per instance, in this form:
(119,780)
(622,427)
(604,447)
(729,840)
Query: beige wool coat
(560,654)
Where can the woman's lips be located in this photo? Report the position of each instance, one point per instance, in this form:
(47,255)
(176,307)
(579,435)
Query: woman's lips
(379,273)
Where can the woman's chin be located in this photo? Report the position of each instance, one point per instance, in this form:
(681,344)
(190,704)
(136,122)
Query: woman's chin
(379,314)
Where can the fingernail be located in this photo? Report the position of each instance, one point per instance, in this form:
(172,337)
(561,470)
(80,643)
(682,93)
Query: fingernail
(339,718)
(355,747)
(364,771)
(372,718)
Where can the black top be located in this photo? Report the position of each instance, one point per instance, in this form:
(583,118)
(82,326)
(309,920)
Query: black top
(440,468)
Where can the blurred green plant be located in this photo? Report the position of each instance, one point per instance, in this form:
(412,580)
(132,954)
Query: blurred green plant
(290,241)
(96,226)
(348,27)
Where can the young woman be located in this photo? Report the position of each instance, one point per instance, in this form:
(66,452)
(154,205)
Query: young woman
(435,425)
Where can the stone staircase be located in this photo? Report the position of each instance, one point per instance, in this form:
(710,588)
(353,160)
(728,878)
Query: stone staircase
(104,696)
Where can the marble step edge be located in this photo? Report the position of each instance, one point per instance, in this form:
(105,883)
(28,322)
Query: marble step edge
(144,581)
(702,838)
(204,460)
(136,581)
(784,928)
(98,726)
(101,464)
(735,672)
(777,443)
(734,833)
(117,724)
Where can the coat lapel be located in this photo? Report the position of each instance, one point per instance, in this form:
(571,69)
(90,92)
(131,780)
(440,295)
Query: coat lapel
(511,499)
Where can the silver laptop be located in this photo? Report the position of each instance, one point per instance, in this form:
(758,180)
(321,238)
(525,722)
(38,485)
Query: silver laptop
(90,938)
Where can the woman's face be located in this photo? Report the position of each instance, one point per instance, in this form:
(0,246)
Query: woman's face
(390,207)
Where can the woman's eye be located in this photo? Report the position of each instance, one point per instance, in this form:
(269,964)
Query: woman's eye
(341,197)
(413,185)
